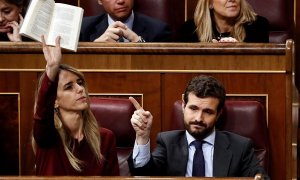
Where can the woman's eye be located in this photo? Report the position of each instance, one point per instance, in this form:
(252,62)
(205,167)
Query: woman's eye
(6,12)
(80,83)
(68,87)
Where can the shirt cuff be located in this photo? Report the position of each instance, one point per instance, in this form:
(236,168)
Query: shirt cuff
(141,154)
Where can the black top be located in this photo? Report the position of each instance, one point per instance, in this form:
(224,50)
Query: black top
(3,37)
(258,31)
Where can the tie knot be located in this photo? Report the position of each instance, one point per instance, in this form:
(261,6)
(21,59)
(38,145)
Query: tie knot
(121,39)
(198,144)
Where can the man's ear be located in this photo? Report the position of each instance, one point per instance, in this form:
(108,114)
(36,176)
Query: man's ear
(219,114)
(183,105)
(100,2)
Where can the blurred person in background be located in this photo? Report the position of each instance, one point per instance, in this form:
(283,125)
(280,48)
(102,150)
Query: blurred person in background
(121,24)
(225,21)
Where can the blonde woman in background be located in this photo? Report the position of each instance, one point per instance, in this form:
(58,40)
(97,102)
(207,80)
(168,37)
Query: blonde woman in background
(66,136)
(225,21)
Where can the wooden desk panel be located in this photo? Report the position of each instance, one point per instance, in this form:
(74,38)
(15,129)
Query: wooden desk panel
(160,73)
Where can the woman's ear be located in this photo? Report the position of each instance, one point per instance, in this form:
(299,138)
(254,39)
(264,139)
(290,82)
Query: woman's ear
(211,4)
(56,104)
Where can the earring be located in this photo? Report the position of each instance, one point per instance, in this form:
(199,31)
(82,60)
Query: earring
(211,7)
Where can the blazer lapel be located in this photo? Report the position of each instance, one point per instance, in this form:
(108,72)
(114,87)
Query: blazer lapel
(222,156)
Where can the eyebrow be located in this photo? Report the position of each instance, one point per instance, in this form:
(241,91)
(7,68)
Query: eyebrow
(68,83)
(206,108)
(71,82)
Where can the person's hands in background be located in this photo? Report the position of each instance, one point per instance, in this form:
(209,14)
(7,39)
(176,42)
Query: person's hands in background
(113,33)
(225,40)
(14,35)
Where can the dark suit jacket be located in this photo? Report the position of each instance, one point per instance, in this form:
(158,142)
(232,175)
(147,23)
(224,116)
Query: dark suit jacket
(233,156)
(150,29)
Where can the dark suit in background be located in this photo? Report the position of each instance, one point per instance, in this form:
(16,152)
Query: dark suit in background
(233,156)
(150,29)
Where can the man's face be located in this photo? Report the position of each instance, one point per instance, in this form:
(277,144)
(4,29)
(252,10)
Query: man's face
(119,10)
(200,115)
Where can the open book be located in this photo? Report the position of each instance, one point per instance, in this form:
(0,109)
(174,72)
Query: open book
(45,17)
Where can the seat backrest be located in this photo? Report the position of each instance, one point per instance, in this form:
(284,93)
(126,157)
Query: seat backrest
(246,118)
(115,114)
(280,14)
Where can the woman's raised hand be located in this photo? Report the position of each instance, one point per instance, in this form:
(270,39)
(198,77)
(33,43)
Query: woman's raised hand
(53,57)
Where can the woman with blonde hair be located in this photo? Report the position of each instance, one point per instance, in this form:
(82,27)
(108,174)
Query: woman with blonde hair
(225,21)
(66,136)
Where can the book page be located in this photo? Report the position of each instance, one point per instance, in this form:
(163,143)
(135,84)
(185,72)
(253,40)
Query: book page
(66,23)
(38,19)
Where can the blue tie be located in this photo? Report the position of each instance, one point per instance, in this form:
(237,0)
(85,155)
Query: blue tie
(121,39)
(198,161)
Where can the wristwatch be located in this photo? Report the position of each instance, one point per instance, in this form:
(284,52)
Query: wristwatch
(141,40)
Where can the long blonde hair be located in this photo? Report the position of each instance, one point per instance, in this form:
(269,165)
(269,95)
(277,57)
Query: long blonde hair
(90,126)
(203,20)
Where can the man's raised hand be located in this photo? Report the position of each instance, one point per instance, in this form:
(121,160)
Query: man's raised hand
(141,121)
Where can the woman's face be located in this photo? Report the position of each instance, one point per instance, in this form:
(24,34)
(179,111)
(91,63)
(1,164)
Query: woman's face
(226,9)
(8,13)
(71,94)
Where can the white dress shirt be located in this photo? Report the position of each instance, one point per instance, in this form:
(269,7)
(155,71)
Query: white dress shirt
(141,154)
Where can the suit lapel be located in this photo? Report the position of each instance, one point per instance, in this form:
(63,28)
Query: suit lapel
(180,156)
(100,28)
(138,25)
(222,156)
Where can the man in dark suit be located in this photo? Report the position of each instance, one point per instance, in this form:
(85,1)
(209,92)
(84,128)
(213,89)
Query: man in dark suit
(223,154)
(121,24)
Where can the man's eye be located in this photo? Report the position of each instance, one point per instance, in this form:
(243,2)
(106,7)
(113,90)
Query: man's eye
(208,111)
(193,108)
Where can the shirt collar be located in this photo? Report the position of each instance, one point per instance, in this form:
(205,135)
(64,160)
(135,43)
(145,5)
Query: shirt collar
(128,22)
(209,139)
